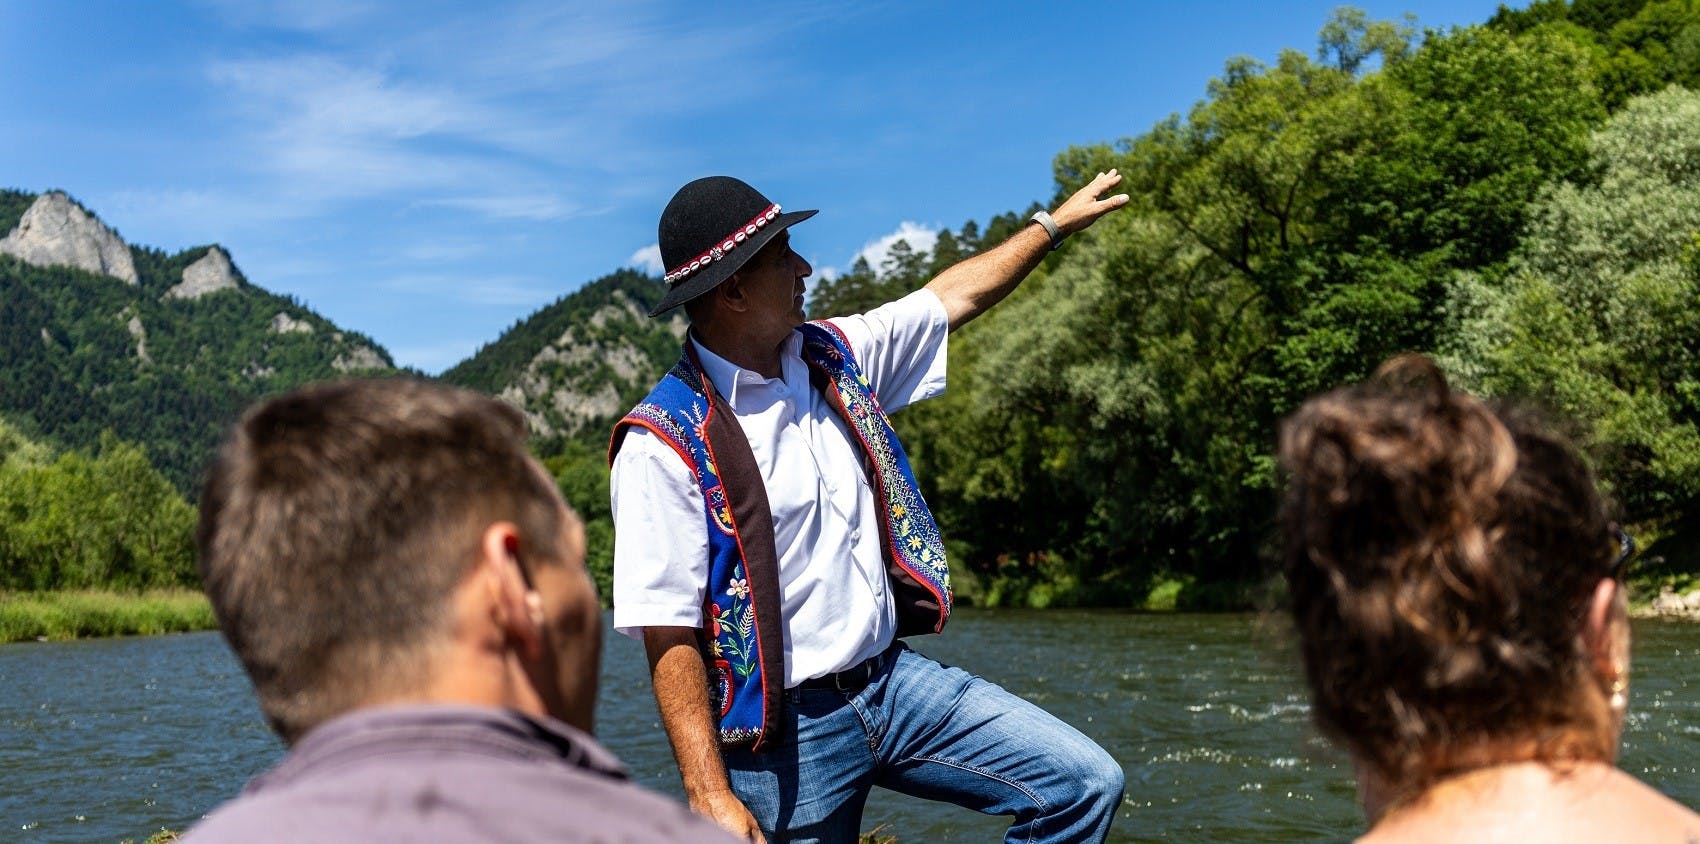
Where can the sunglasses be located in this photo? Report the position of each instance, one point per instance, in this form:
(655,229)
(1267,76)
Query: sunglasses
(1625,550)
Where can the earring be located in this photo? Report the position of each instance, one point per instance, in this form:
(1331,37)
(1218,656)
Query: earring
(534,607)
(1619,691)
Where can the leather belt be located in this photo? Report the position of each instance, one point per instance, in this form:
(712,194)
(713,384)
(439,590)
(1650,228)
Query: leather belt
(851,679)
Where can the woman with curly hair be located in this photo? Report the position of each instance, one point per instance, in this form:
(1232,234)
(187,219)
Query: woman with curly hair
(1457,591)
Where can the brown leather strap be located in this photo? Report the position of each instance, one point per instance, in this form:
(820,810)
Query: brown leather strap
(746,492)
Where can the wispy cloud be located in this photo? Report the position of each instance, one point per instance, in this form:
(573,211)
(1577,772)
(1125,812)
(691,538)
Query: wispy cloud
(539,208)
(571,97)
(920,238)
(648,259)
(320,126)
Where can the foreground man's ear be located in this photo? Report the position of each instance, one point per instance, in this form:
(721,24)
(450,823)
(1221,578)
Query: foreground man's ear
(518,608)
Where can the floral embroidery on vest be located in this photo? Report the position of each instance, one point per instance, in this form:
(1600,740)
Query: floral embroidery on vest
(677,411)
(731,623)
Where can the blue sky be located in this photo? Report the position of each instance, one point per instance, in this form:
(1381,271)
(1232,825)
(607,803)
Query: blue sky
(428,173)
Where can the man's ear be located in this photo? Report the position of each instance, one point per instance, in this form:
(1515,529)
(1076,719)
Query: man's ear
(515,609)
(731,293)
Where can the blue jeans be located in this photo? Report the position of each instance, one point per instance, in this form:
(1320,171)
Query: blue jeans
(935,732)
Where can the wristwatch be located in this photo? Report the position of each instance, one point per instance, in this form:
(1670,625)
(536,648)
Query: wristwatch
(1050,226)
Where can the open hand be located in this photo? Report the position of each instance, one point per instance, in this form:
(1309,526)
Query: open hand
(1084,207)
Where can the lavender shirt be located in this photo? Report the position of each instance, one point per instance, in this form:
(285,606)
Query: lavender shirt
(448,774)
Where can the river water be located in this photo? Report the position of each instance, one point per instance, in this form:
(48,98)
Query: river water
(113,739)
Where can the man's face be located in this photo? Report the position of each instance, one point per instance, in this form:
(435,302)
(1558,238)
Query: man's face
(773,283)
(566,675)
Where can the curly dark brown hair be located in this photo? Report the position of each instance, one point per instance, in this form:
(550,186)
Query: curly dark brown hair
(1440,556)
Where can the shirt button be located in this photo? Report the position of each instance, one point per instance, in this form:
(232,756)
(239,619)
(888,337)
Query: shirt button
(856,535)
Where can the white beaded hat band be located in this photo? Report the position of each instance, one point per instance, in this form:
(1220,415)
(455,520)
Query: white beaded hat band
(710,229)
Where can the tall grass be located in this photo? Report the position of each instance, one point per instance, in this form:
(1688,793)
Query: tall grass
(91,613)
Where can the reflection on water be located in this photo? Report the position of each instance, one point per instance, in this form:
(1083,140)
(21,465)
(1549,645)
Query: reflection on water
(115,739)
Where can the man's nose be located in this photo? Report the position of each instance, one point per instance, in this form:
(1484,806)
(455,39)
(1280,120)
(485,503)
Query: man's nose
(800,266)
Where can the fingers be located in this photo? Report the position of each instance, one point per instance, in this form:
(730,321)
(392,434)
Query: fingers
(1085,206)
(1102,182)
(730,813)
(751,831)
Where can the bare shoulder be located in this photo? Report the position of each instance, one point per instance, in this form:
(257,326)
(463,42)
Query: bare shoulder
(1632,810)
(1598,804)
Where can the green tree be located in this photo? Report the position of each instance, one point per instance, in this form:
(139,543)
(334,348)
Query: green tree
(1297,226)
(111,521)
(581,471)
(1599,316)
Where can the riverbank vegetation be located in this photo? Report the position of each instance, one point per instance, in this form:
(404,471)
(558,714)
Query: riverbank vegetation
(89,613)
(92,545)
(74,520)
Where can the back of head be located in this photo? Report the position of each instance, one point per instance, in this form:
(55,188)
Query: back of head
(1440,558)
(337,520)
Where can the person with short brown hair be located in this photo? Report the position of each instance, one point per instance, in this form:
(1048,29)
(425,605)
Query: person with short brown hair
(407,591)
(1457,591)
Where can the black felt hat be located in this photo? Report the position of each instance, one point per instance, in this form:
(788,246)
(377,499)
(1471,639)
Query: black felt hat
(710,229)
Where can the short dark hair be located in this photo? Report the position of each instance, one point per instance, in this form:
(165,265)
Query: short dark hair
(1440,558)
(337,520)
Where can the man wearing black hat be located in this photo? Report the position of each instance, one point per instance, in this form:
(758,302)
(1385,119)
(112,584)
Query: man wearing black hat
(772,546)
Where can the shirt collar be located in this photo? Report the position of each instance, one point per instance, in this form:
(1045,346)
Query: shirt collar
(366,732)
(727,377)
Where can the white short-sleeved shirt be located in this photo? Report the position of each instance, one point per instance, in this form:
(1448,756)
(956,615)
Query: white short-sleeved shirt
(834,593)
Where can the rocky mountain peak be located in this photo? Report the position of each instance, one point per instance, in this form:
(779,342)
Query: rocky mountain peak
(210,274)
(56,230)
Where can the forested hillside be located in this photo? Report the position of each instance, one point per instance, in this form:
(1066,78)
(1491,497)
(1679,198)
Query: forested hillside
(159,350)
(581,362)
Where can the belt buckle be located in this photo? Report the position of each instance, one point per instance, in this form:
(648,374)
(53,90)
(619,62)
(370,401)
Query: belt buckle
(858,675)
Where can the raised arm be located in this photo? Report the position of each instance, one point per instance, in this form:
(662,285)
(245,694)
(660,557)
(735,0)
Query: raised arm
(681,693)
(974,285)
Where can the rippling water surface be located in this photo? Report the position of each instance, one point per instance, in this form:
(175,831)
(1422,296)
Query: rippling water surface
(106,740)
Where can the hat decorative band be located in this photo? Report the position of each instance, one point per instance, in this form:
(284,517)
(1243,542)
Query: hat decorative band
(747,231)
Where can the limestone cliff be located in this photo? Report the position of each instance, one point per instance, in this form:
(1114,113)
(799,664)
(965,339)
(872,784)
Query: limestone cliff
(358,358)
(56,231)
(210,274)
(283,323)
(578,364)
(161,349)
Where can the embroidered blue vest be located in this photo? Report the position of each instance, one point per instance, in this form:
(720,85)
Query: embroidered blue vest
(741,637)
